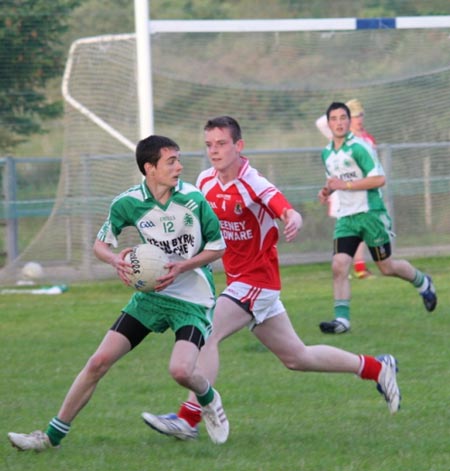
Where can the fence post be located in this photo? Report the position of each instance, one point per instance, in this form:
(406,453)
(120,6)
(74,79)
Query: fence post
(427,191)
(386,162)
(12,223)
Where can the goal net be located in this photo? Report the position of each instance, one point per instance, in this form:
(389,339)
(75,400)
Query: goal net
(276,84)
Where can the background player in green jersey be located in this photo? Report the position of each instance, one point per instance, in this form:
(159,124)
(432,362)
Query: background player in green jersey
(183,301)
(356,176)
(357,115)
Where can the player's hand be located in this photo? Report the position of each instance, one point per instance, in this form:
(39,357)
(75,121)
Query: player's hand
(123,268)
(336,184)
(323,195)
(292,223)
(174,269)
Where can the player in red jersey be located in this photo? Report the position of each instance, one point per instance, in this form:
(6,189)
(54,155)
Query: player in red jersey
(248,205)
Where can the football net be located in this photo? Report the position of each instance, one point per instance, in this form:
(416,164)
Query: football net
(276,84)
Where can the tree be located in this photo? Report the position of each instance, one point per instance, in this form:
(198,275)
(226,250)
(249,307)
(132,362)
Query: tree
(30,56)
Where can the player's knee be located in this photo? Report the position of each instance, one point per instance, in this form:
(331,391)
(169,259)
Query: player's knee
(98,365)
(293,362)
(340,267)
(386,269)
(295,365)
(181,373)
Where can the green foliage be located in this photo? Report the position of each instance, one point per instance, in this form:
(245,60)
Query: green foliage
(31,55)
(236,9)
(280,420)
(94,18)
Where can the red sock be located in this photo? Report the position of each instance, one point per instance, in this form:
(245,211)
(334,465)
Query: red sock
(191,413)
(370,367)
(360,265)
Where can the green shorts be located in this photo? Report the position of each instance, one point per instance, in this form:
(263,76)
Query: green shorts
(159,313)
(373,227)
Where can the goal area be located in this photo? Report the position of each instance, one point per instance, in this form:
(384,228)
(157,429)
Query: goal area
(276,80)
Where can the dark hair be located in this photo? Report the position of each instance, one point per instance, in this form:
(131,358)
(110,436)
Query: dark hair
(337,105)
(225,122)
(149,150)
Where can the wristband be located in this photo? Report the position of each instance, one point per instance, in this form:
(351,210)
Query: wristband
(348,185)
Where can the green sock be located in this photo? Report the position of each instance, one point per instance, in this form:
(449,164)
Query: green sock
(57,430)
(419,281)
(342,308)
(206,398)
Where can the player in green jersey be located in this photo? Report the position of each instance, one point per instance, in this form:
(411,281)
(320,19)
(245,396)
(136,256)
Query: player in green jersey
(175,216)
(355,175)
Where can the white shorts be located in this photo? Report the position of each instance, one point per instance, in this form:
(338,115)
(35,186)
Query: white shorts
(260,303)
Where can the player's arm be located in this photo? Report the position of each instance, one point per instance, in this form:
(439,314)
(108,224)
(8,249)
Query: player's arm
(104,252)
(323,194)
(367,183)
(285,212)
(371,168)
(322,126)
(203,258)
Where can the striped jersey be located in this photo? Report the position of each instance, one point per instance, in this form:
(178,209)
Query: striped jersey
(354,160)
(182,227)
(247,207)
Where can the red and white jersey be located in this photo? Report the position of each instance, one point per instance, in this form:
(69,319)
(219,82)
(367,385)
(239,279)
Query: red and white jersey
(247,208)
(365,136)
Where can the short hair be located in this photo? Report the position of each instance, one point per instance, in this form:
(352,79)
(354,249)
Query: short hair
(355,106)
(337,105)
(149,150)
(225,122)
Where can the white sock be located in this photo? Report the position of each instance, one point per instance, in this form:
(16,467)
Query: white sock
(424,286)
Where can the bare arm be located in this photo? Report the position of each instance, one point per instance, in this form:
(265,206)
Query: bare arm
(367,183)
(103,252)
(322,126)
(176,268)
(292,223)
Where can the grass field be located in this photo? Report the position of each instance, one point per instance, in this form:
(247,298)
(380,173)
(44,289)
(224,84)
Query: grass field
(279,419)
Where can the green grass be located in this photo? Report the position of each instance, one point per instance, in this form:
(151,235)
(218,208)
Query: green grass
(280,420)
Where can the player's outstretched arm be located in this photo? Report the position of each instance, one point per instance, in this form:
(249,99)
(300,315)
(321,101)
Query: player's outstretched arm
(292,223)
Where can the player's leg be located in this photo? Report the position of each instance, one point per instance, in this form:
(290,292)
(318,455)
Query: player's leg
(188,341)
(183,368)
(112,348)
(359,263)
(125,334)
(344,250)
(230,316)
(421,281)
(378,241)
(279,336)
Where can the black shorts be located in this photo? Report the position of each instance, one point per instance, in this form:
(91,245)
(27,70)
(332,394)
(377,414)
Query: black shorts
(135,332)
(349,245)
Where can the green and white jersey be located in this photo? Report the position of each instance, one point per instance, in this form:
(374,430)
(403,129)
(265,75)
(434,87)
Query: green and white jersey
(182,228)
(353,161)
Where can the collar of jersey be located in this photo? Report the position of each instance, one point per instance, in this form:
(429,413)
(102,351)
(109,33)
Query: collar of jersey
(349,136)
(148,194)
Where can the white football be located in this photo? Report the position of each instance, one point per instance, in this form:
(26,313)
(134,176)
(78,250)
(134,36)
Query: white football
(147,262)
(32,271)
